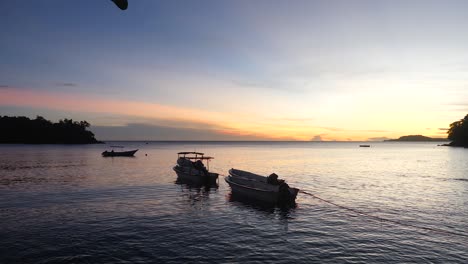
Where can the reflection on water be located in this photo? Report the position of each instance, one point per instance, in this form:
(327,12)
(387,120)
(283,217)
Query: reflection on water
(197,184)
(282,210)
(456,179)
(195,193)
(68,204)
(191,185)
(36,166)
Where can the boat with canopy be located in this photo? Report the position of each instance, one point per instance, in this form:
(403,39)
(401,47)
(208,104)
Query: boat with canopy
(190,167)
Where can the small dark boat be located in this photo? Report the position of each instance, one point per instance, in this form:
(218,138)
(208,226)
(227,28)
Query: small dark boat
(364,146)
(113,153)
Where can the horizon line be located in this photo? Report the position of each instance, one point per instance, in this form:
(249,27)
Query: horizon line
(122,140)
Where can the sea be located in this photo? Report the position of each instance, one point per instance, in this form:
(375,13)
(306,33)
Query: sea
(393,202)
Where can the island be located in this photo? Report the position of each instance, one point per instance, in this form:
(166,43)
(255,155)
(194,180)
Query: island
(22,130)
(417,138)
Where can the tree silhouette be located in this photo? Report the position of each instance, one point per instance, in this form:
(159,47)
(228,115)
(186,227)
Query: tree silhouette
(458,132)
(41,131)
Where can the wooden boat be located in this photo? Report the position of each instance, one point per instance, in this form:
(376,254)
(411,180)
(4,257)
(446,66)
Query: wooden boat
(113,153)
(268,189)
(192,169)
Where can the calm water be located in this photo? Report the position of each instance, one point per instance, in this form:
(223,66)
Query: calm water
(67,204)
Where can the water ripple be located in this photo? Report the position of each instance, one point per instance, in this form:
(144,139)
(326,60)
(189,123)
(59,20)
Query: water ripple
(69,205)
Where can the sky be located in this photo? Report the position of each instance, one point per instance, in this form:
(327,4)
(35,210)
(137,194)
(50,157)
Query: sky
(238,70)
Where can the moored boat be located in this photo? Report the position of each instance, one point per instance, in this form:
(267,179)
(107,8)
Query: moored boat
(113,153)
(191,168)
(263,188)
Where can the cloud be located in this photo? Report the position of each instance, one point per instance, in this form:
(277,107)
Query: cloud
(66,84)
(297,119)
(458,106)
(234,123)
(4,86)
(444,129)
(333,128)
(156,132)
(378,138)
(278,85)
(122,113)
(317,138)
(92,104)
(339,129)
(372,130)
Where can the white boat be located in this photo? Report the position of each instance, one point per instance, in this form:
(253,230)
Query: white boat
(268,189)
(191,168)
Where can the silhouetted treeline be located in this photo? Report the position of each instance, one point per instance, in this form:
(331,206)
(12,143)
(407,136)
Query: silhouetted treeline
(458,133)
(41,131)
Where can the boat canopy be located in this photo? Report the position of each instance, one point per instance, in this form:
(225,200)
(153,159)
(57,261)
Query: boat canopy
(199,158)
(190,152)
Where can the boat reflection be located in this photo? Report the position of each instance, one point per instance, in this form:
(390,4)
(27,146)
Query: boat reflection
(191,184)
(283,210)
(197,195)
(197,183)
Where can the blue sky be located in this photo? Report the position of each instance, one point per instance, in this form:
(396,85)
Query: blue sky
(332,70)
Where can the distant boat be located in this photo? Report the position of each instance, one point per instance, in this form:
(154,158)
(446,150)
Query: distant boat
(364,146)
(268,189)
(192,169)
(113,153)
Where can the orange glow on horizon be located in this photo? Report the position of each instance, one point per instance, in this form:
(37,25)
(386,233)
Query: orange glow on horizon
(231,124)
(223,123)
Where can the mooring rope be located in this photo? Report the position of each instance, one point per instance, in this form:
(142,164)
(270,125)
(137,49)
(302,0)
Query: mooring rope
(431,229)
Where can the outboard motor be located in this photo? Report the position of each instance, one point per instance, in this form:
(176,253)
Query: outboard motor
(284,194)
(272,179)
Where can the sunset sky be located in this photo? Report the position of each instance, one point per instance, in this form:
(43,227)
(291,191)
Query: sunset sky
(238,70)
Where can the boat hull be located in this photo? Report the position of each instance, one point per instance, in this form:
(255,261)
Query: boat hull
(194,176)
(250,193)
(269,193)
(130,153)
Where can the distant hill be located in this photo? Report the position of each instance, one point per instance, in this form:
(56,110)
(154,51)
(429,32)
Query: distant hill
(417,138)
(22,130)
